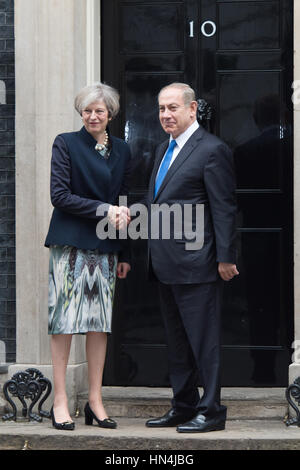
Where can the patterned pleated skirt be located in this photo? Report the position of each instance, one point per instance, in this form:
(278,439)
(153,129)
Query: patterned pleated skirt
(81,290)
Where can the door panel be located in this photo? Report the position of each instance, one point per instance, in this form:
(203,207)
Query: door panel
(237,54)
(145,27)
(251,124)
(141,126)
(248,25)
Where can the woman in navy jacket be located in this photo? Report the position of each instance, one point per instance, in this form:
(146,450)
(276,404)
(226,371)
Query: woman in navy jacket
(89,171)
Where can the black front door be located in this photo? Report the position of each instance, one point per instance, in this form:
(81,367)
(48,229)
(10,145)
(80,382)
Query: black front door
(237,55)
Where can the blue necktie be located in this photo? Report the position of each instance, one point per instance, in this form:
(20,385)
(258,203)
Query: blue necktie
(164,166)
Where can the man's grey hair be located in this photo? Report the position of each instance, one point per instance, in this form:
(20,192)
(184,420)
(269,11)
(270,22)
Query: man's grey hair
(187,92)
(98,92)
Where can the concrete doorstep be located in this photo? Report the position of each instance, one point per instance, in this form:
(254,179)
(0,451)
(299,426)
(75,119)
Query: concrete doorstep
(255,422)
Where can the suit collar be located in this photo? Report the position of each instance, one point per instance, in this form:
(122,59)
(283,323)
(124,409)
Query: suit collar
(91,142)
(181,157)
(87,137)
(182,139)
(198,134)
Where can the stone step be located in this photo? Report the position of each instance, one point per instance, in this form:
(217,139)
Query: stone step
(132,435)
(146,402)
(255,422)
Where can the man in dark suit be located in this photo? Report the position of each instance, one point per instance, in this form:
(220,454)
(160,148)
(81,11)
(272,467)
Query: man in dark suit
(195,169)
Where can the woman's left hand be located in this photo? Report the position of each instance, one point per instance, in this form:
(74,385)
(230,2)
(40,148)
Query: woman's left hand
(122,270)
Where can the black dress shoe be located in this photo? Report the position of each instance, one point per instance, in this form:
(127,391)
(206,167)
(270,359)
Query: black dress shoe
(104,423)
(170,419)
(202,424)
(65,426)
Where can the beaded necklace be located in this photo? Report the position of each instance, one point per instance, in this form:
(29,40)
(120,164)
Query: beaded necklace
(103,149)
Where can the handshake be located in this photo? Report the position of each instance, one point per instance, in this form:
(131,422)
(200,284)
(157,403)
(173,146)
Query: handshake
(119,216)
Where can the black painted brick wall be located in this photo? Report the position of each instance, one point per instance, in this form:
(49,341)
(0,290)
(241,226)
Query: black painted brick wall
(7,182)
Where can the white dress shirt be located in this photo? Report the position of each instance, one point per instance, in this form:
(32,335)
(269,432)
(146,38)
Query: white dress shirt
(181,141)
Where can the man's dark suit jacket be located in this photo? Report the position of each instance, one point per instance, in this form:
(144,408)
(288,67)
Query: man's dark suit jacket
(81,180)
(202,173)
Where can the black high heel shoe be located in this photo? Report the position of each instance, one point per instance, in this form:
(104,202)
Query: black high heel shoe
(90,416)
(65,426)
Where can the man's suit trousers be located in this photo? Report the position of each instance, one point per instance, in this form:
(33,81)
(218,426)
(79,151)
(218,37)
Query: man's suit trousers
(191,314)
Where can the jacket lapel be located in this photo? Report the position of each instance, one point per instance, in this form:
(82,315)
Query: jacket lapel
(160,153)
(179,160)
(114,154)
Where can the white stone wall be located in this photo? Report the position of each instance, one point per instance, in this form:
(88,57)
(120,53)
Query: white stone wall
(53,61)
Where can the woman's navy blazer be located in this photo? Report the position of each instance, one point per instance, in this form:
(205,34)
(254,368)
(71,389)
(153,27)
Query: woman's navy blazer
(81,180)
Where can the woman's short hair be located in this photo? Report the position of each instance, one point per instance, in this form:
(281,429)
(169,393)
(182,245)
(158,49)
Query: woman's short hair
(98,92)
